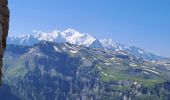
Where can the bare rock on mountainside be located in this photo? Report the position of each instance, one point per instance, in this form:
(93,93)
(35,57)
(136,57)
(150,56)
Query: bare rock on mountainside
(4,25)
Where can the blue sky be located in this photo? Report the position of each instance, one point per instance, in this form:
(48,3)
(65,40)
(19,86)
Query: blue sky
(143,23)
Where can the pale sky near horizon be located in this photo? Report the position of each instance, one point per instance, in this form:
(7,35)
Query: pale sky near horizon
(143,23)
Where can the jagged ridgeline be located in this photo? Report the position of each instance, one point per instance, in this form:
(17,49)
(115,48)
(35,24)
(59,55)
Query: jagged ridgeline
(73,36)
(63,71)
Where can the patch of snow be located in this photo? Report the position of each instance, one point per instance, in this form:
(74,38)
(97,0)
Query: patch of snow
(135,83)
(117,50)
(108,64)
(73,51)
(153,61)
(132,64)
(70,47)
(55,48)
(31,50)
(151,71)
(105,74)
(127,47)
(37,54)
(64,48)
(145,67)
(165,64)
(83,58)
(113,58)
(140,51)
(95,58)
(118,63)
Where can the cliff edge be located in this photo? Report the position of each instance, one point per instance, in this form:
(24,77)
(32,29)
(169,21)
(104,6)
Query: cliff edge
(4,26)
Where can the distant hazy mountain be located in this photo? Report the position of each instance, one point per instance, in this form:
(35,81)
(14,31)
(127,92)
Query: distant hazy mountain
(74,37)
(63,71)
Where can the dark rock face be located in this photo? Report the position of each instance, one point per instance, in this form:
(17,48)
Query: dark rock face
(6,94)
(4,25)
(51,71)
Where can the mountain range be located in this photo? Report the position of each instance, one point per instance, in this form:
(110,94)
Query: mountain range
(70,65)
(74,37)
(63,71)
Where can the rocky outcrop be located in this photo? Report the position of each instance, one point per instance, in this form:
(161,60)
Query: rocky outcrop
(4,25)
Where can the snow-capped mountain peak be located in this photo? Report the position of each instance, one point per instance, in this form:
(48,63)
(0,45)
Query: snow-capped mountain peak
(70,32)
(70,35)
(73,36)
